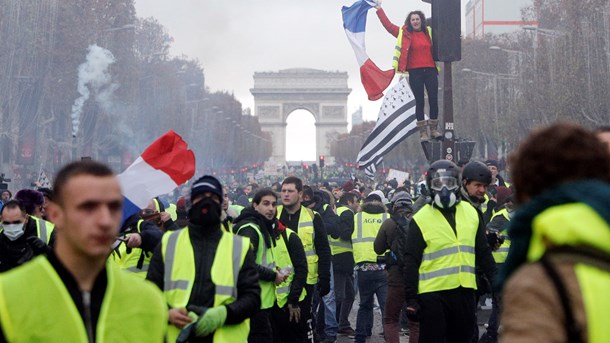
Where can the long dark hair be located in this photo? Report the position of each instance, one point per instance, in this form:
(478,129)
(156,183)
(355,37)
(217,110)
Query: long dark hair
(422,18)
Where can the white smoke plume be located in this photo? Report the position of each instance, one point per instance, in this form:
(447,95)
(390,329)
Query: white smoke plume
(93,76)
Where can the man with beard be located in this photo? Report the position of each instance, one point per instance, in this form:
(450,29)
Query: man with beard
(258,223)
(208,275)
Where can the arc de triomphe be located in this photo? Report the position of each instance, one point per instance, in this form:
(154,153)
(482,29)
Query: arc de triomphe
(322,93)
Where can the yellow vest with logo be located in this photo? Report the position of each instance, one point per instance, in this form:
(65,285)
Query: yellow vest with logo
(129,260)
(577,224)
(366,227)
(44,229)
(501,254)
(307,234)
(265,258)
(35,306)
(283,260)
(448,261)
(179,276)
(337,245)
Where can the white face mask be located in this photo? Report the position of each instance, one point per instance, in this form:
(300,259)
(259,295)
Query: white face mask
(13,231)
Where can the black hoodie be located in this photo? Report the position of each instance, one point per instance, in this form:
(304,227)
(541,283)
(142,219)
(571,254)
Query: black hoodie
(250,215)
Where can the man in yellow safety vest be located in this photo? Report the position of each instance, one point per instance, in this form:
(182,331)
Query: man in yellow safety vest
(73,294)
(207,274)
(445,241)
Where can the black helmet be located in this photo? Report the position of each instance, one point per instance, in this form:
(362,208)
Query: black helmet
(476,171)
(443,182)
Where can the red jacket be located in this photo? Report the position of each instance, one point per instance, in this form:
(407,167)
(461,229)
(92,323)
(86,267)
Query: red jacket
(406,39)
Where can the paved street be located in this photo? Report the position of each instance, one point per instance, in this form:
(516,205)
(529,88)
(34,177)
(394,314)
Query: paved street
(482,316)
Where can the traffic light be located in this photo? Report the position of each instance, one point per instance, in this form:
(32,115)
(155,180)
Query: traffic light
(446,30)
(321,161)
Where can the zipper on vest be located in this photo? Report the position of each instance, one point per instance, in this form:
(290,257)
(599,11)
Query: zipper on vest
(87,315)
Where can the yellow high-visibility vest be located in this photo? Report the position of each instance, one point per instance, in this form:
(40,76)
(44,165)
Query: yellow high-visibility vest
(501,254)
(398,47)
(129,261)
(44,229)
(35,306)
(265,258)
(367,226)
(283,260)
(179,276)
(337,245)
(307,235)
(448,260)
(576,224)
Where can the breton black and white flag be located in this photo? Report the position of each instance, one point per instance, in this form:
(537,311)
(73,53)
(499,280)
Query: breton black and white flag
(396,122)
(371,169)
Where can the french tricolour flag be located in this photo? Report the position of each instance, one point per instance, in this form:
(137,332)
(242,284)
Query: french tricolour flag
(163,166)
(375,80)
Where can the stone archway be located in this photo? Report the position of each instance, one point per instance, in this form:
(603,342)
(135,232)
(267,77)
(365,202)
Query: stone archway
(322,93)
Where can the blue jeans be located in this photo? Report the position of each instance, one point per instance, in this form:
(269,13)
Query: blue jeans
(330,309)
(370,283)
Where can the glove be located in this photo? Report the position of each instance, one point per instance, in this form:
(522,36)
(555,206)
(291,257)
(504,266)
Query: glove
(38,246)
(211,320)
(294,311)
(324,287)
(413,310)
(188,331)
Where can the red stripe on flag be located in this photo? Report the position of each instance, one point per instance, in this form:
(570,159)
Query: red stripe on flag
(375,80)
(170,154)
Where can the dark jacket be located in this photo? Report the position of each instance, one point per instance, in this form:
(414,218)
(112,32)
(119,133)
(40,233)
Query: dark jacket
(14,253)
(385,240)
(205,242)
(320,240)
(249,215)
(344,262)
(415,246)
(151,234)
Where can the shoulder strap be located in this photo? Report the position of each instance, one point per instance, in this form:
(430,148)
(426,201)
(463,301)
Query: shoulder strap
(573,330)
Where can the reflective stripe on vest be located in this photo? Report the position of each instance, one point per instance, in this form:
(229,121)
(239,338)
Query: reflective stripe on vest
(283,260)
(265,258)
(307,235)
(577,224)
(132,311)
(501,254)
(44,229)
(448,261)
(179,275)
(337,245)
(367,225)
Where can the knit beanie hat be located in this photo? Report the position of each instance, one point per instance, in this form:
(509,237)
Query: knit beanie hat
(207,183)
(401,199)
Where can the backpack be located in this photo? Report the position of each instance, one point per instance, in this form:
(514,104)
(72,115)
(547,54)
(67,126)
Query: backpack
(398,247)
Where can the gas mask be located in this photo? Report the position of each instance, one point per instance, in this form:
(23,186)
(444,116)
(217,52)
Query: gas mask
(13,231)
(444,191)
(206,212)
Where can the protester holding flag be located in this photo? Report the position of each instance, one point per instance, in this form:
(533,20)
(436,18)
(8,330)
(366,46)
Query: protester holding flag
(413,55)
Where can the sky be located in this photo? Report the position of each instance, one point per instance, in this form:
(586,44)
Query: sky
(234,39)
